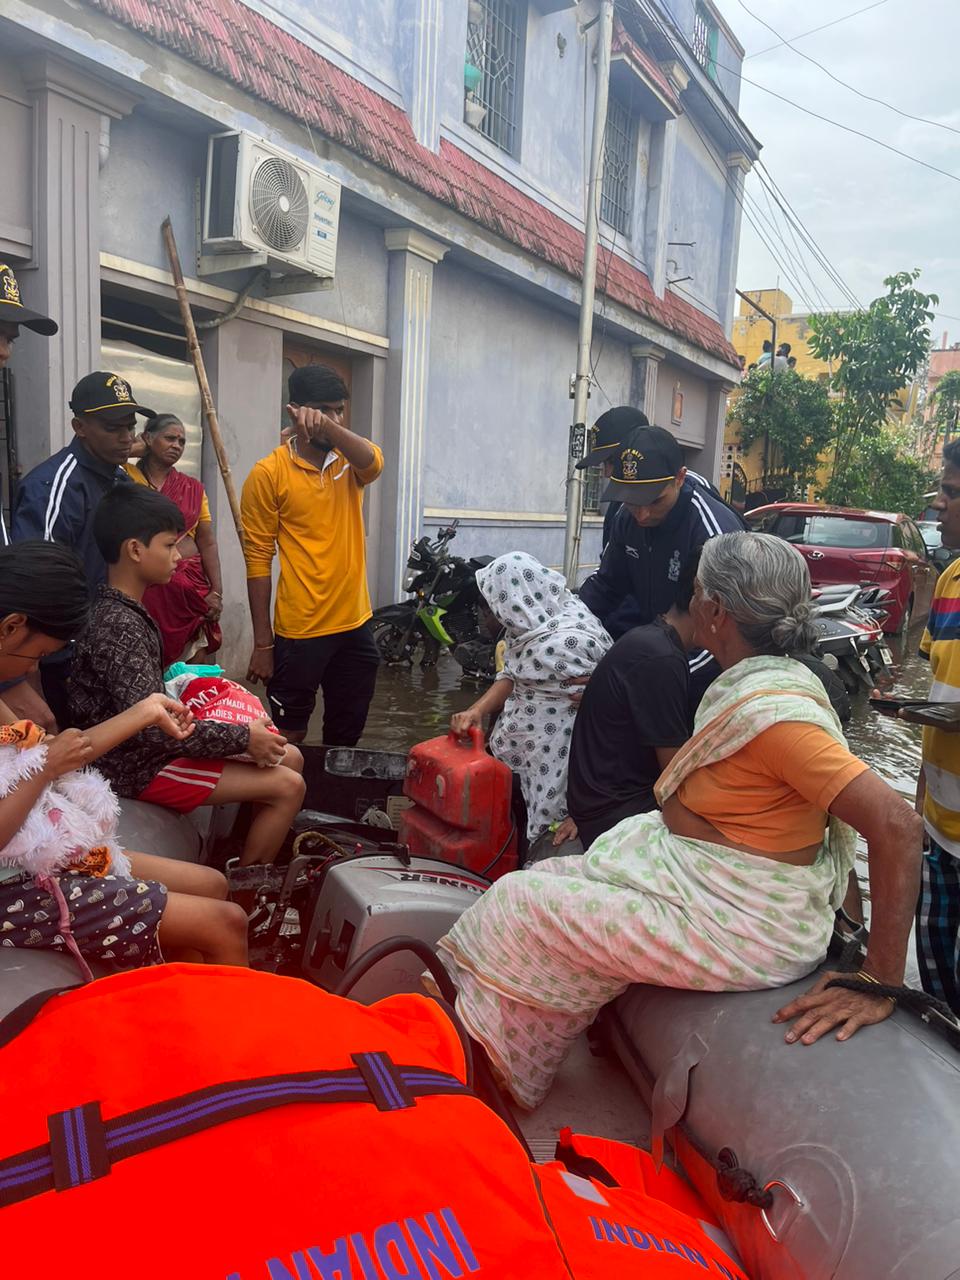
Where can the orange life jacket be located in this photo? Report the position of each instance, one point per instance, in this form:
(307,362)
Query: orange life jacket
(200,1123)
(615,1214)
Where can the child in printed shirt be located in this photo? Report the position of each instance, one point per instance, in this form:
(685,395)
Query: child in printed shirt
(119,662)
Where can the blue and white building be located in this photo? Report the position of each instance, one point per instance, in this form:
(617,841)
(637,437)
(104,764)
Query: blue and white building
(459,134)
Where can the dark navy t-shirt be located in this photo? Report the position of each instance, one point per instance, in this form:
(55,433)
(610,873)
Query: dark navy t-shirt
(637,700)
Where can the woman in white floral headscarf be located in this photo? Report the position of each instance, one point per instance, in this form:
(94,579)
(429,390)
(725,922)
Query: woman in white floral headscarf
(552,639)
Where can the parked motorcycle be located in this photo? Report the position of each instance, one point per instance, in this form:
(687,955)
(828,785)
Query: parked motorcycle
(443,611)
(849,621)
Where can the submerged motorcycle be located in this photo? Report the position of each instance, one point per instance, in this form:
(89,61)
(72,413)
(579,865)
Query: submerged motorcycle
(849,621)
(443,611)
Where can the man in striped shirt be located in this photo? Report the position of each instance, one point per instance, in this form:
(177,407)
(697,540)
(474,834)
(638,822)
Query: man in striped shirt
(938,793)
(57,499)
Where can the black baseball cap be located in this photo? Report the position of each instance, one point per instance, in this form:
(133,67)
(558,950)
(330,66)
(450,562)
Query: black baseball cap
(643,467)
(610,430)
(105,395)
(12,310)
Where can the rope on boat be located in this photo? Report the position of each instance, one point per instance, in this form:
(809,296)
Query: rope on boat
(737,1184)
(938,1016)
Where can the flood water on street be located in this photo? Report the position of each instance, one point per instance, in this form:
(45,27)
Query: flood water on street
(413,705)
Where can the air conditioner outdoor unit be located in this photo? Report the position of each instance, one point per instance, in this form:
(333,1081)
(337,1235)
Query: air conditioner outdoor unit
(263,206)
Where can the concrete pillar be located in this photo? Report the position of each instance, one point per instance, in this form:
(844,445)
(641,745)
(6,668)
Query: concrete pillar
(244,362)
(738,166)
(419,64)
(663,150)
(643,379)
(367,419)
(413,257)
(71,119)
(708,463)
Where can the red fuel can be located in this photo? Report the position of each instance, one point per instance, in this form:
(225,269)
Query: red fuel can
(462,805)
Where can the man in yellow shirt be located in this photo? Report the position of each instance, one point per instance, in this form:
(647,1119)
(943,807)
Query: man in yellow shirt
(305,500)
(938,912)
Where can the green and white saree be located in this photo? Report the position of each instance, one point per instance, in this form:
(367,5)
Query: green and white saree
(544,949)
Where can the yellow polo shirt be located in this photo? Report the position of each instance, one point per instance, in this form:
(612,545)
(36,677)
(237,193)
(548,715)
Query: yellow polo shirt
(941,751)
(314,517)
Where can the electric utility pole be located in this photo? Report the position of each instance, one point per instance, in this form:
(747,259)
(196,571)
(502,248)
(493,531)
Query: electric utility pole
(581,383)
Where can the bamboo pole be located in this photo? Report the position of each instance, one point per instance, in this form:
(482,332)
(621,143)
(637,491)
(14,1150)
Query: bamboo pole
(193,345)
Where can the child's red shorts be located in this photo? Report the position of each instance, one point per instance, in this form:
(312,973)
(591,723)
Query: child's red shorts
(183,784)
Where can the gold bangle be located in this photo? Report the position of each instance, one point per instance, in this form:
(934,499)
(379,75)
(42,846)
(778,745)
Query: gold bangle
(264,646)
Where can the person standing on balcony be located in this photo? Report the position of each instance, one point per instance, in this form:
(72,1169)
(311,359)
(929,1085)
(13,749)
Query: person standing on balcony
(305,500)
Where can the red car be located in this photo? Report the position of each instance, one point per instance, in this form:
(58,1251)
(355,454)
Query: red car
(874,548)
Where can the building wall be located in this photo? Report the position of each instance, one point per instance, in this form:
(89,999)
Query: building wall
(945,359)
(154,169)
(16,129)
(361,37)
(499,411)
(462,376)
(699,198)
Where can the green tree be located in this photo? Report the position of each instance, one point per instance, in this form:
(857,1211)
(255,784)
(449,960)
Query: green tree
(795,415)
(946,401)
(885,475)
(875,353)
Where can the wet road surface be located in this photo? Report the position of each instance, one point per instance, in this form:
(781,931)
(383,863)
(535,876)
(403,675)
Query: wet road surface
(410,706)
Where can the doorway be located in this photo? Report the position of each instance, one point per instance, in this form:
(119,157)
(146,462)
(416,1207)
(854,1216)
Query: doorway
(297,355)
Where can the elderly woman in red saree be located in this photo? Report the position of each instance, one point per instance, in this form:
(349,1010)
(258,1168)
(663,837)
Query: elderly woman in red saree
(187,608)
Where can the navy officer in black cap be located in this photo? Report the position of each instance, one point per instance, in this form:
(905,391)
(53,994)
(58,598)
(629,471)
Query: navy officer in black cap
(610,432)
(666,514)
(57,499)
(14,316)
(19,696)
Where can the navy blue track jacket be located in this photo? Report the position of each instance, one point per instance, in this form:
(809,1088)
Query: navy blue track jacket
(56,502)
(637,578)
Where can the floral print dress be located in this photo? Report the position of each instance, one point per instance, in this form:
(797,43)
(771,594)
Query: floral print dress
(552,639)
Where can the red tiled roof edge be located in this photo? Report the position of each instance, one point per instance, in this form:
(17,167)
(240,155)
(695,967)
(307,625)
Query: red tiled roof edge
(624,43)
(246,49)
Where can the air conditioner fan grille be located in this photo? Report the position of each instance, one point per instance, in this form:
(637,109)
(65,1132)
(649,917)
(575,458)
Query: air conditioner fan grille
(279,204)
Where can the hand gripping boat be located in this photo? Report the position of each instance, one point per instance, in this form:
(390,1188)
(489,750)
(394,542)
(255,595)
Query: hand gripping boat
(847,1153)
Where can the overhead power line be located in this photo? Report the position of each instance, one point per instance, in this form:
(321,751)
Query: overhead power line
(867,97)
(907,155)
(764,176)
(813,30)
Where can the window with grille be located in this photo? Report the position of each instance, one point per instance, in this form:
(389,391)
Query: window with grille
(495,46)
(593,485)
(619,162)
(706,38)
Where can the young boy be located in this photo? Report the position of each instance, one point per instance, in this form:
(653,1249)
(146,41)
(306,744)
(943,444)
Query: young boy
(118,662)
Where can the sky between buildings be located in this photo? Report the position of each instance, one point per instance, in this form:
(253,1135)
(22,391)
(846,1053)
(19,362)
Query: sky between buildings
(871,212)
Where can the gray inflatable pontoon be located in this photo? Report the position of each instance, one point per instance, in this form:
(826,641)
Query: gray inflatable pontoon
(857,1143)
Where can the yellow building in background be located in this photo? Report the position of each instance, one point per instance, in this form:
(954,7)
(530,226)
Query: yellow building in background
(749,478)
(751,330)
